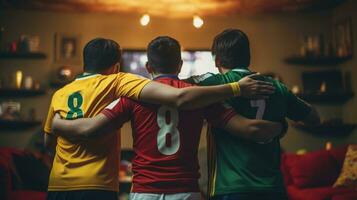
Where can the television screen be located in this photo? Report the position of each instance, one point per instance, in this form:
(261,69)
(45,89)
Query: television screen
(194,63)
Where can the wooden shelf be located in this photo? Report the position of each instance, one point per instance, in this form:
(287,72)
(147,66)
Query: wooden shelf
(327,98)
(18,124)
(328,129)
(12,92)
(19,55)
(317,61)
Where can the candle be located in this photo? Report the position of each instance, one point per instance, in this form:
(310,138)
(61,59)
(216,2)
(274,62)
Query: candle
(18,79)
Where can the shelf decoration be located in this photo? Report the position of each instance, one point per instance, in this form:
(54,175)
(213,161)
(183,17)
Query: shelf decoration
(22,55)
(315,50)
(26,47)
(63,76)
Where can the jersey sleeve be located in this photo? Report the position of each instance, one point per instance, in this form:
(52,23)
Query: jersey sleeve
(218,115)
(297,109)
(119,111)
(129,85)
(207,79)
(50,115)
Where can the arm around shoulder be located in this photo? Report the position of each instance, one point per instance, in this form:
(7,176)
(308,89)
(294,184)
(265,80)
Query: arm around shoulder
(252,129)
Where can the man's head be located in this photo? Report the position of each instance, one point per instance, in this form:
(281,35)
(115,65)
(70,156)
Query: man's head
(101,56)
(231,49)
(164,56)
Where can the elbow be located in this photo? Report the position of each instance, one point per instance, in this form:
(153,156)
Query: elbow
(313,118)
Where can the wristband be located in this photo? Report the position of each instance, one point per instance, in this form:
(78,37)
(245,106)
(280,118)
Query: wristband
(235,88)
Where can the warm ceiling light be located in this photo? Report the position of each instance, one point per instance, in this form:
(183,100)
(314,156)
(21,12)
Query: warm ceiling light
(197,21)
(145,19)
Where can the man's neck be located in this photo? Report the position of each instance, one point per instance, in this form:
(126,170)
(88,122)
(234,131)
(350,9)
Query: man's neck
(155,75)
(224,70)
(90,73)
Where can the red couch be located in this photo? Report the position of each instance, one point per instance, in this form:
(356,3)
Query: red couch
(23,175)
(311,176)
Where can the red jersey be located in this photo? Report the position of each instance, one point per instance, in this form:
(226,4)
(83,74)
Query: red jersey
(165,141)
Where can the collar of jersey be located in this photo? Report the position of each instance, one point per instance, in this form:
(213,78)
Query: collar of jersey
(85,76)
(167,76)
(241,70)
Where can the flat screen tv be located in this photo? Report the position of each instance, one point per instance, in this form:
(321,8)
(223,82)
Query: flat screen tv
(195,62)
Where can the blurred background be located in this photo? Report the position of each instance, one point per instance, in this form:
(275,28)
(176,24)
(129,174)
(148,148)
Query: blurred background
(308,44)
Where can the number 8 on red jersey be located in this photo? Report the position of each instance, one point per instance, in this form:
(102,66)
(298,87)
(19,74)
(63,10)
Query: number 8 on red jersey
(168,137)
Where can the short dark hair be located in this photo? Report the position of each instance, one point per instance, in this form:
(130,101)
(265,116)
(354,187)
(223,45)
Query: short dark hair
(164,54)
(100,54)
(231,48)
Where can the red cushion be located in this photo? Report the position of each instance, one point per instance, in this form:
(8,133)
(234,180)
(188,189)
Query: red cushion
(348,196)
(320,193)
(339,155)
(287,161)
(314,169)
(295,193)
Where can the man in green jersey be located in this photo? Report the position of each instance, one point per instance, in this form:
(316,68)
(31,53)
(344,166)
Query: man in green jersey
(240,169)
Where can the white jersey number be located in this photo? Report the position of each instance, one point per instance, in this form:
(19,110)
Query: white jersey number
(168,138)
(260,104)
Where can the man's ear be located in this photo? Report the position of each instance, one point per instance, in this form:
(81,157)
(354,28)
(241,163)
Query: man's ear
(218,65)
(118,66)
(179,67)
(115,68)
(111,70)
(217,62)
(148,68)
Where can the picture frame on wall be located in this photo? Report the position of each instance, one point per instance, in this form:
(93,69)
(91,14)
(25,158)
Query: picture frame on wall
(67,48)
(343,37)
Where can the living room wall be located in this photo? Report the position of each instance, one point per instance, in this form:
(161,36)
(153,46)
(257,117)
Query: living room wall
(273,37)
(349,111)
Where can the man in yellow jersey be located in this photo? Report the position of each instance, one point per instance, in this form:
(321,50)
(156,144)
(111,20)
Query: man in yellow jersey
(89,169)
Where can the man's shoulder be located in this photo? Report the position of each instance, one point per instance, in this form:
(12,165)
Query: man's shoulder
(68,88)
(204,78)
(183,84)
(279,86)
(177,83)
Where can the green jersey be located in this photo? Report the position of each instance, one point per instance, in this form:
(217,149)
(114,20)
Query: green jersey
(241,166)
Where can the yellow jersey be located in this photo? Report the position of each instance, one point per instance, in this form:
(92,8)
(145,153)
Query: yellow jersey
(91,164)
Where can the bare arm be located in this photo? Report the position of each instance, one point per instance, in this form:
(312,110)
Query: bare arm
(254,130)
(197,97)
(299,110)
(83,128)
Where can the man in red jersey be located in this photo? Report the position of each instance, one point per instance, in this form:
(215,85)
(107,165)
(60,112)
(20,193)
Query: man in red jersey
(165,165)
